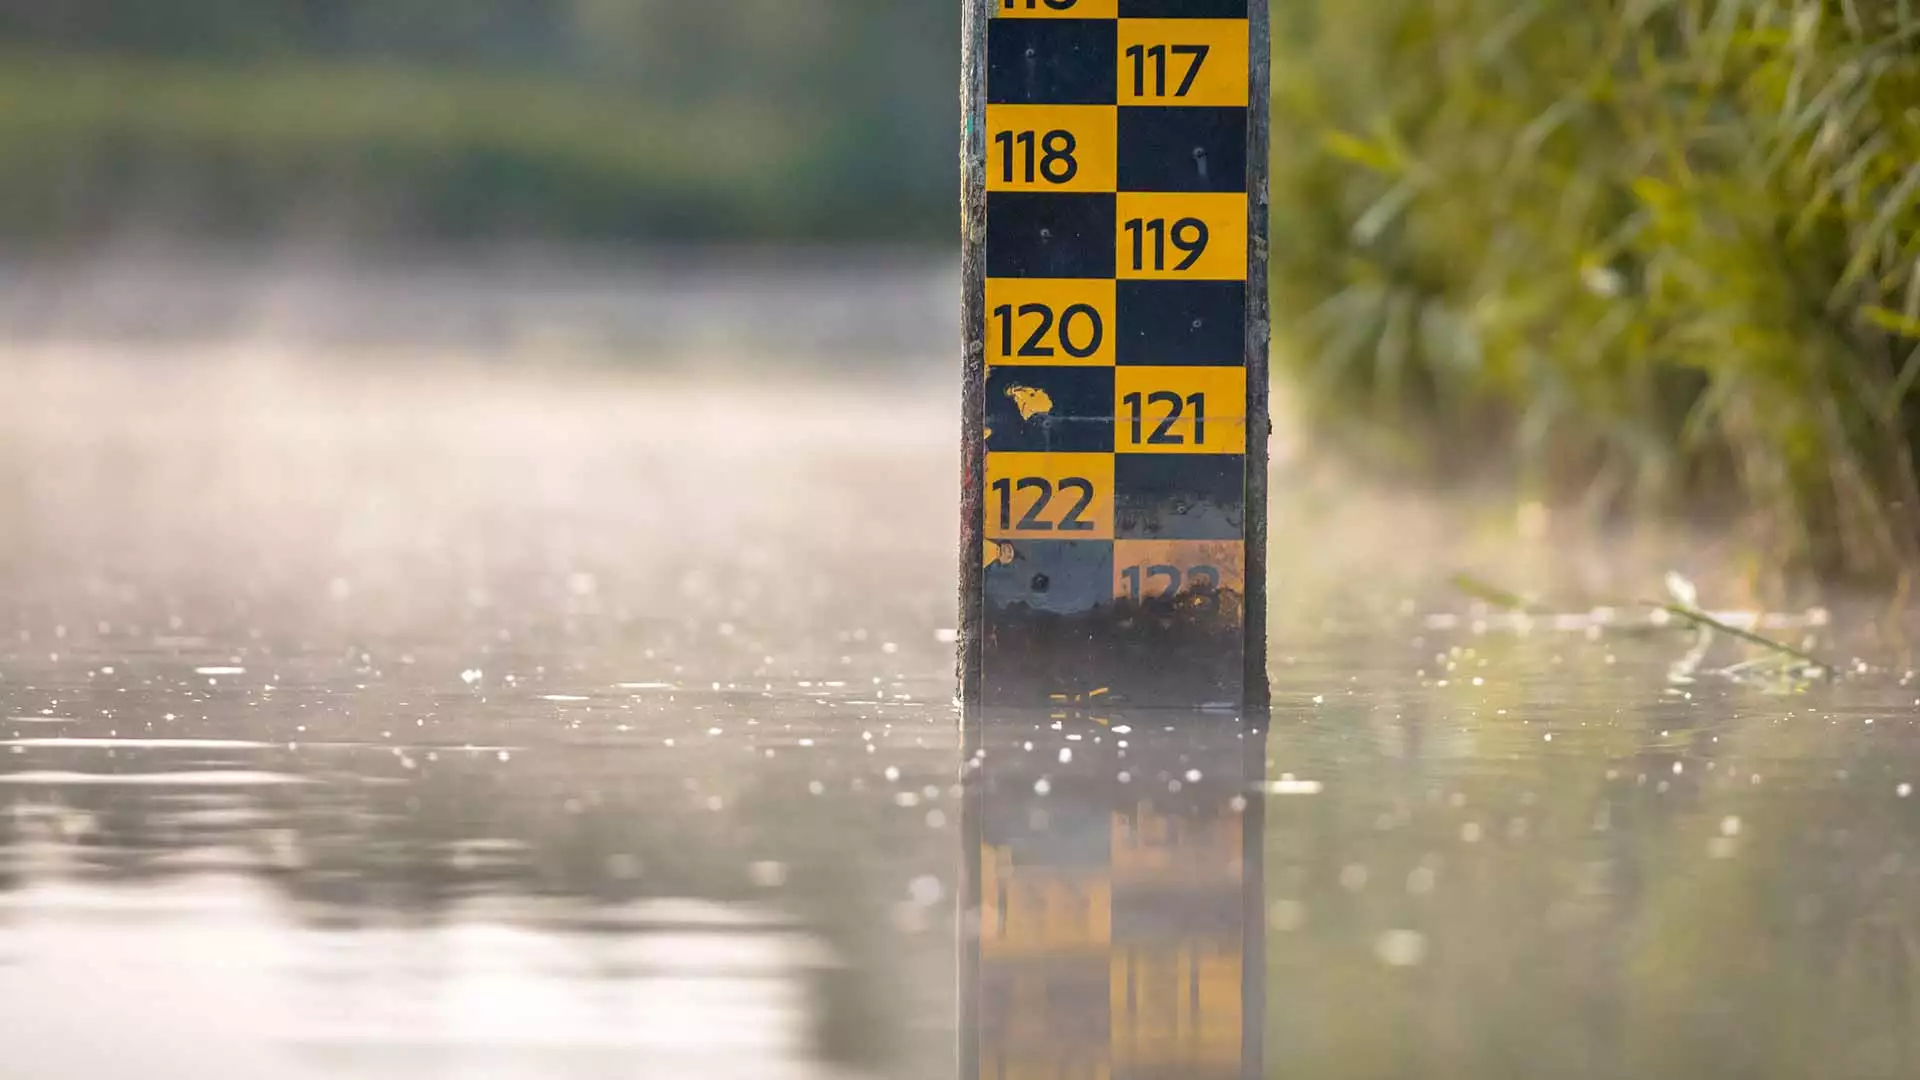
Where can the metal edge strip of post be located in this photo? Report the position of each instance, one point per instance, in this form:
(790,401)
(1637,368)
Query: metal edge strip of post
(976,17)
(1256,693)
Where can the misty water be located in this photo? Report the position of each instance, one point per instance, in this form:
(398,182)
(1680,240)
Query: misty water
(384,703)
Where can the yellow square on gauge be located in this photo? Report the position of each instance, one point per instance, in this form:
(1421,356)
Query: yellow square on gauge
(1168,569)
(1056,9)
(1052,322)
(1180,410)
(1189,236)
(1183,62)
(1040,496)
(1061,148)
(1175,1007)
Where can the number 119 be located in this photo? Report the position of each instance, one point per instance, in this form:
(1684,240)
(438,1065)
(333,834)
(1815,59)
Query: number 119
(1189,236)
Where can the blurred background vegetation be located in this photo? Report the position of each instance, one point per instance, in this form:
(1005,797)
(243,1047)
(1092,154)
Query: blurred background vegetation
(1658,252)
(1652,254)
(592,120)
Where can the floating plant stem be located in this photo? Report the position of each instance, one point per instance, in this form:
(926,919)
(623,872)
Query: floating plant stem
(1688,615)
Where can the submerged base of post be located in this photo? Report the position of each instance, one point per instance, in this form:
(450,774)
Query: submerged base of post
(1185,652)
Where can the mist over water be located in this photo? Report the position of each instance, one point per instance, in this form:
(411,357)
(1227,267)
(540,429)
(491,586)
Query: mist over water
(390,711)
(454,703)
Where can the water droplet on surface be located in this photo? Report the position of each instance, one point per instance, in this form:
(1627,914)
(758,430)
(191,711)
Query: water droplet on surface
(1286,915)
(1288,784)
(926,890)
(1401,948)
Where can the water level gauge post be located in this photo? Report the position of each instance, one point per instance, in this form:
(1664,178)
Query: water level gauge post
(1114,305)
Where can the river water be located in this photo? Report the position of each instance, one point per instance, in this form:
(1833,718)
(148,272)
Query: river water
(365,713)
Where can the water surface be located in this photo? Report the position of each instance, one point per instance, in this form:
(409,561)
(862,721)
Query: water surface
(422,720)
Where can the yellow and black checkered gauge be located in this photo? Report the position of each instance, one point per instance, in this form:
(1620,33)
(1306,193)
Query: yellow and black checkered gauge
(1115,313)
(1118,900)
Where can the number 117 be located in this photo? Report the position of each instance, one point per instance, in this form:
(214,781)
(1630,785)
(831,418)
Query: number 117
(1140,54)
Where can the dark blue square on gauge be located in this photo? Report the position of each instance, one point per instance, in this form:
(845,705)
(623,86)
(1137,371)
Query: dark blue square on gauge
(1178,916)
(1180,323)
(1043,235)
(1183,149)
(1072,991)
(1048,577)
(1056,409)
(1070,826)
(1183,9)
(1053,62)
(1179,496)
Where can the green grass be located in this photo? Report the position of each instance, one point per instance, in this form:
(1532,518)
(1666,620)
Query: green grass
(1660,252)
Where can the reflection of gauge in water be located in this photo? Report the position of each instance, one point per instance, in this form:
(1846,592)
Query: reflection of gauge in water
(1116,924)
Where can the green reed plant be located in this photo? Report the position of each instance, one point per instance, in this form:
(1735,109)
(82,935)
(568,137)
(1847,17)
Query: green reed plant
(1660,251)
